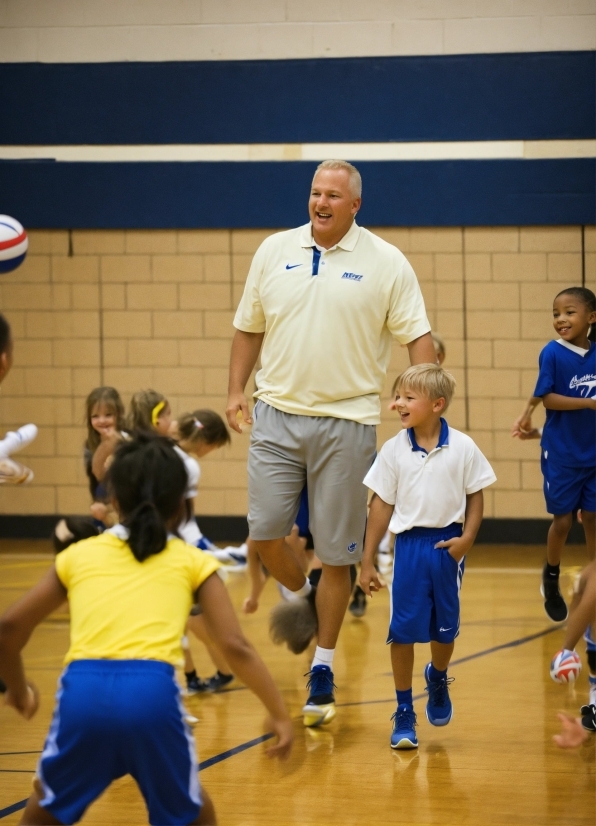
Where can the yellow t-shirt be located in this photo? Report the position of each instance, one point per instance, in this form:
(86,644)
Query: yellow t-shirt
(122,609)
(328,321)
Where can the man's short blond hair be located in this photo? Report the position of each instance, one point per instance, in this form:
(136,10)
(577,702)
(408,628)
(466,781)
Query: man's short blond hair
(354,175)
(430,380)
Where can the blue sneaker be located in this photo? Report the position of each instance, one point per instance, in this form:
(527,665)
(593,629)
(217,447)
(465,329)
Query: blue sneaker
(404,728)
(439,710)
(320,706)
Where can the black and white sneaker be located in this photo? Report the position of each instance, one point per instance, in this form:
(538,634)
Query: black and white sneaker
(357,607)
(588,714)
(554,604)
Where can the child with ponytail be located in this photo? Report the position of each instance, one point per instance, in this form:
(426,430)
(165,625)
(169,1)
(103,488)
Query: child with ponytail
(130,592)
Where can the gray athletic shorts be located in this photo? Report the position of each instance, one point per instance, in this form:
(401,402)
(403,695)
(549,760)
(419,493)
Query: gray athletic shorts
(332,456)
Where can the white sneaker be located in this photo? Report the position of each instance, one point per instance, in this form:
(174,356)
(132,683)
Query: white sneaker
(17,440)
(14,473)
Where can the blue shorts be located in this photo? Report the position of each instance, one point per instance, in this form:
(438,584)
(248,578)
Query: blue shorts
(568,488)
(303,519)
(118,717)
(425,589)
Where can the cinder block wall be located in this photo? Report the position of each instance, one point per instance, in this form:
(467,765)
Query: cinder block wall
(141,309)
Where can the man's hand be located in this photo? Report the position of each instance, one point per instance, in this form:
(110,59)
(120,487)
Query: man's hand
(458,546)
(237,403)
(369,579)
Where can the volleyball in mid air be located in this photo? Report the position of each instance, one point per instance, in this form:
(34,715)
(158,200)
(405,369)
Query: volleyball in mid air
(13,244)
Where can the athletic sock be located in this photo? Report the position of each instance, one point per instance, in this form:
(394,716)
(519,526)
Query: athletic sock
(323,656)
(190,674)
(404,697)
(305,590)
(434,674)
(552,570)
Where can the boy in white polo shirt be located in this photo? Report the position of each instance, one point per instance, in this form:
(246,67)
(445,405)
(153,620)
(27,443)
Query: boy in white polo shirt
(427,483)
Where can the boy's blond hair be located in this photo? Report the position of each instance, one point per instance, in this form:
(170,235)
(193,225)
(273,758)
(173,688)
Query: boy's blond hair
(430,380)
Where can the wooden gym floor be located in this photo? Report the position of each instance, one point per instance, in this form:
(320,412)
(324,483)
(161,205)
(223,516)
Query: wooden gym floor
(495,764)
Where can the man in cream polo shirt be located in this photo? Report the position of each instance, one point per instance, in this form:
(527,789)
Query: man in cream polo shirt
(324,301)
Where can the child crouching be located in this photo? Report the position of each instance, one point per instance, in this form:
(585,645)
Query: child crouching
(427,483)
(130,592)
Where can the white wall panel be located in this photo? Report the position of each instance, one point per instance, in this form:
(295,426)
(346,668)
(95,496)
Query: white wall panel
(117,30)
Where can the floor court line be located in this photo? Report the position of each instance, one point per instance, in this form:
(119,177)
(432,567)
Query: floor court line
(218,758)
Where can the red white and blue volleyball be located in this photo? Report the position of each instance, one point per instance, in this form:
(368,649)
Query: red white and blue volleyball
(565,666)
(13,244)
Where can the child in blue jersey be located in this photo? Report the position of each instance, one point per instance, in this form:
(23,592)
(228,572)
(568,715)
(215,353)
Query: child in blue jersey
(567,386)
(118,708)
(427,483)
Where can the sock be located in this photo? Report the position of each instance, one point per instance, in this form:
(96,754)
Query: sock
(305,590)
(404,697)
(323,656)
(190,674)
(315,576)
(552,570)
(434,674)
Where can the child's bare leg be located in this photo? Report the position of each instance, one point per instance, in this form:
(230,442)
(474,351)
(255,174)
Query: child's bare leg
(36,815)
(583,608)
(197,625)
(441,653)
(402,663)
(589,522)
(189,665)
(557,536)
(298,545)
(207,816)
(257,576)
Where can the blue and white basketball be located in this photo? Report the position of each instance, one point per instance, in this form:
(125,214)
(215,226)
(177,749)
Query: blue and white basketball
(565,666)
(13,244)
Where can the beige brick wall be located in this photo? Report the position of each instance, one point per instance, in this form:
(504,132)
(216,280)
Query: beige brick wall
(154,309)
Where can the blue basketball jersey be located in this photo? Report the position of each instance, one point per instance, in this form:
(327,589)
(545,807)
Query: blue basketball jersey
(569,436)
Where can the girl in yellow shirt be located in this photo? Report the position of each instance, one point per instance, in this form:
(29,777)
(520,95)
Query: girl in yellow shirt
(130,591)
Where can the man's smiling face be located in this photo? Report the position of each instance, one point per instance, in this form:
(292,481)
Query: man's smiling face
(332,206)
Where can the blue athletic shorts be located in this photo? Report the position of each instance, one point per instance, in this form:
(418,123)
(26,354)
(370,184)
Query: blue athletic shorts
(568,488)
(303,519)
(118,717)
(425,589)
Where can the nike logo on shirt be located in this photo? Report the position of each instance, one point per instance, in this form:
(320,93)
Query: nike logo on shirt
(291,266)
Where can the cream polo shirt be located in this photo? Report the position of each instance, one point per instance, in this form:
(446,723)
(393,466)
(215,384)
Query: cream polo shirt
(328,318)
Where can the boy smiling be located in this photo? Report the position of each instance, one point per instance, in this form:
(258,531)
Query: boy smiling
(427,483)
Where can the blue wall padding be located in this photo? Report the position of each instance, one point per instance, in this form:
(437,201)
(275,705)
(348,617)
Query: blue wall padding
(169,195)
(434,98)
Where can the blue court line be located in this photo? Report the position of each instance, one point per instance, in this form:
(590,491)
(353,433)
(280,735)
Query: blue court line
(211,761)
(7,753)
(218,758)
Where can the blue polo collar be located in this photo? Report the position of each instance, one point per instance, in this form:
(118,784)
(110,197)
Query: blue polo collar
(443,437)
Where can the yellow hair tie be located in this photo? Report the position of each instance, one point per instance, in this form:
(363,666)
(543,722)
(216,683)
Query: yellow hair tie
(156,411)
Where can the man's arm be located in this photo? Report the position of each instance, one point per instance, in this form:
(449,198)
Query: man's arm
(245,352)
(422,350)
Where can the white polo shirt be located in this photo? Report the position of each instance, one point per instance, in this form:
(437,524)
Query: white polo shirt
(328,318)
(428,489)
